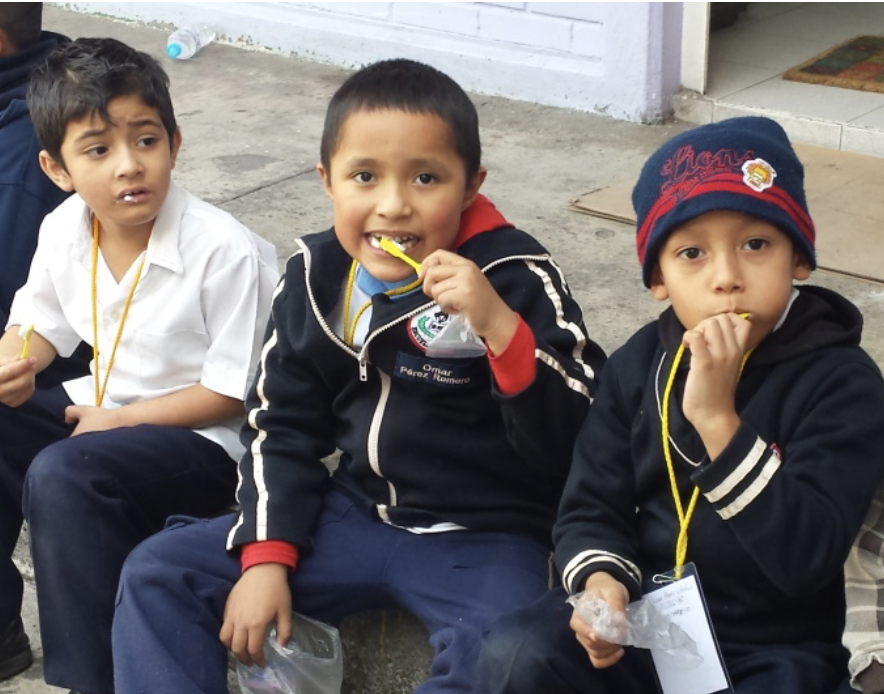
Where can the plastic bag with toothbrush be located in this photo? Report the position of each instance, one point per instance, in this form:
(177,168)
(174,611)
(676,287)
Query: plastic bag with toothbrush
(455,340)
(641,625)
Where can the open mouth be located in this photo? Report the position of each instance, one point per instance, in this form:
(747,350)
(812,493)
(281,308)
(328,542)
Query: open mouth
(404,241)
(132,196)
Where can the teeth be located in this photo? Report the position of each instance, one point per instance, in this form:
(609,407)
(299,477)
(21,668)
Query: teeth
(403,242)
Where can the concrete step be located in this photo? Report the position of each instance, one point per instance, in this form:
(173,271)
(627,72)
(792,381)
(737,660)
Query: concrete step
(693,107)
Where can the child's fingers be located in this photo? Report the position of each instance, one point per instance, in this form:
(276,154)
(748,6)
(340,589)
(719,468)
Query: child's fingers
(283,627)
(256,646)
(72,414)
(239,641)
(716,337)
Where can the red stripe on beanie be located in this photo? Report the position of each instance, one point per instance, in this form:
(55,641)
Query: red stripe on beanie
(726,183)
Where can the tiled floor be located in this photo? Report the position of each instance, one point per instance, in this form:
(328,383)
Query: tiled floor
(747,59)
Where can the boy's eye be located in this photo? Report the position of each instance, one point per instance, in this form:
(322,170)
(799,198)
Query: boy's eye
(96,151)
(363,177)
(690,253)
(147,140)
(755,244)
(425,179)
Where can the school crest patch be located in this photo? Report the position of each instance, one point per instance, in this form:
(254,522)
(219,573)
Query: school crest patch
(424,326)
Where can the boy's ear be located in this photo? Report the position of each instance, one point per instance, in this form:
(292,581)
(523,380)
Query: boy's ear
(326,180)
(176,145)
(473,187)
(56,172)
(800,267)
(658,287)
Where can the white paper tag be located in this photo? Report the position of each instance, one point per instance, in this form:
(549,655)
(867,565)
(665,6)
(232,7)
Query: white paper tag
(682,602)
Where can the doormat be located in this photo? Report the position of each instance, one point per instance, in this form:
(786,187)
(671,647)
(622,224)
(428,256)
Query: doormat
(857,64)
(844,197)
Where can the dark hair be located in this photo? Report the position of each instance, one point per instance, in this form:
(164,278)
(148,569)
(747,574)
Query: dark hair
(81,77)
(21,22)
(406,85)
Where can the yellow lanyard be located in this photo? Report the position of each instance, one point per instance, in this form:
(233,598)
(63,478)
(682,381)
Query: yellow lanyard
(100,387)
(350,325)
(684,518)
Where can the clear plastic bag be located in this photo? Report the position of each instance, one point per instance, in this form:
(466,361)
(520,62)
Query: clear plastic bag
(456,341)
(311,662)
(642,626)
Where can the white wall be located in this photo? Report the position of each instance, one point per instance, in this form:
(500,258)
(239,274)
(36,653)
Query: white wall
(619,59)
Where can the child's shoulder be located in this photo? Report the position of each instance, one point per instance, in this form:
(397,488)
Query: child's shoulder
(200,216)
(202,225)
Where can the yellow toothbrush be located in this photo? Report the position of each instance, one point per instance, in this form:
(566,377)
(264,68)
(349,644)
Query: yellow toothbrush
(393,249)
(24,349)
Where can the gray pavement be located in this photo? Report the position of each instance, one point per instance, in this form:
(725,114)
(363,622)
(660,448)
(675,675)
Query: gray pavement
(251,123)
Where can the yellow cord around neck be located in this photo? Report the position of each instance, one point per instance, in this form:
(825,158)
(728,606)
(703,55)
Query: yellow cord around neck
(101,387)
(684,517)
(350,325)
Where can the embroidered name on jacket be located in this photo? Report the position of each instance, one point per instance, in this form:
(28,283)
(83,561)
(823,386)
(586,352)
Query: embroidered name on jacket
(432,371)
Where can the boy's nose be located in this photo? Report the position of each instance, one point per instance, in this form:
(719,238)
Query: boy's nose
(128,163)
(393,202)
(727,276)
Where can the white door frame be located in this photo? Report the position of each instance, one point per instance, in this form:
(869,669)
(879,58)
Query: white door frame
(695,45)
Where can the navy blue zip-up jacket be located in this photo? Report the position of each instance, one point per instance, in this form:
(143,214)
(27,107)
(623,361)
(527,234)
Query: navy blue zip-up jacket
(778,508)
(416,449)
(26,194)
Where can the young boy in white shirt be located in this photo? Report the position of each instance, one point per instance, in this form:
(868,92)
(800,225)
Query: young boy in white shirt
(173,295)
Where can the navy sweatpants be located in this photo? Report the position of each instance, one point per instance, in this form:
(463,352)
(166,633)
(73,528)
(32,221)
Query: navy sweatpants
(174,587)
(88,501)
(534,651)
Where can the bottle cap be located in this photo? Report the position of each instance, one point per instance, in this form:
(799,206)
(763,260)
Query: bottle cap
(173,50)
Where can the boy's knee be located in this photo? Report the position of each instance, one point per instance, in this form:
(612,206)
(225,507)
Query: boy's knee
(508,657)
(143,564)
(51,480)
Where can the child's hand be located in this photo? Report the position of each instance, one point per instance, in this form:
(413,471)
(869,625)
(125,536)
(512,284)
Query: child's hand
(605,587)
(90,418)
(458,286)
(260,597)
(17,380)
(717,347)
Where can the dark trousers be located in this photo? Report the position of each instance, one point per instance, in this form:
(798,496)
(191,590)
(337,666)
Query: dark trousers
(534,651)
(88,501)
(174,587)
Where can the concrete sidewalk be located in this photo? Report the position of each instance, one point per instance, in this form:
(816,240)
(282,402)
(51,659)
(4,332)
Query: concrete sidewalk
(251,124)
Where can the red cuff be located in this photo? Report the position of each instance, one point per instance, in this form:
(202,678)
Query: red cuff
(515,367)
(269,552)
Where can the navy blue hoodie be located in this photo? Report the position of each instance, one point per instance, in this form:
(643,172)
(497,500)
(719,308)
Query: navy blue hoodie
(779,507)
(26,194)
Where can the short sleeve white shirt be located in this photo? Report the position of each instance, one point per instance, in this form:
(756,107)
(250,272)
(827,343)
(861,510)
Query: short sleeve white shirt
(197,316)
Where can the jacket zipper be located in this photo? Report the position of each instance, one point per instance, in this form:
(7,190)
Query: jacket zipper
(377,417)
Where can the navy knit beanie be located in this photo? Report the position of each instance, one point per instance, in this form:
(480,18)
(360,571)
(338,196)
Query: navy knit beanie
(741,164)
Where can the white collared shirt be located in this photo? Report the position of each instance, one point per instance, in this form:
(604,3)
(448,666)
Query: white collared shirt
(198,314)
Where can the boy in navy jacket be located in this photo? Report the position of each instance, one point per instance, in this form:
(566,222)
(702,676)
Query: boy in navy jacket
(452,458)
(748,409)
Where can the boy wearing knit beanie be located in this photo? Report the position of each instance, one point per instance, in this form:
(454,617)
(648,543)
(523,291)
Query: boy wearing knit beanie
(732,448)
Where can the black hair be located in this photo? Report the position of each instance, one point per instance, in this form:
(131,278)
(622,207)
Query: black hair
(412,87)
(81,77)
(21,23)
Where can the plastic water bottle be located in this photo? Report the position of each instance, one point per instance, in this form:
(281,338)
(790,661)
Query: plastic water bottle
(184,43)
